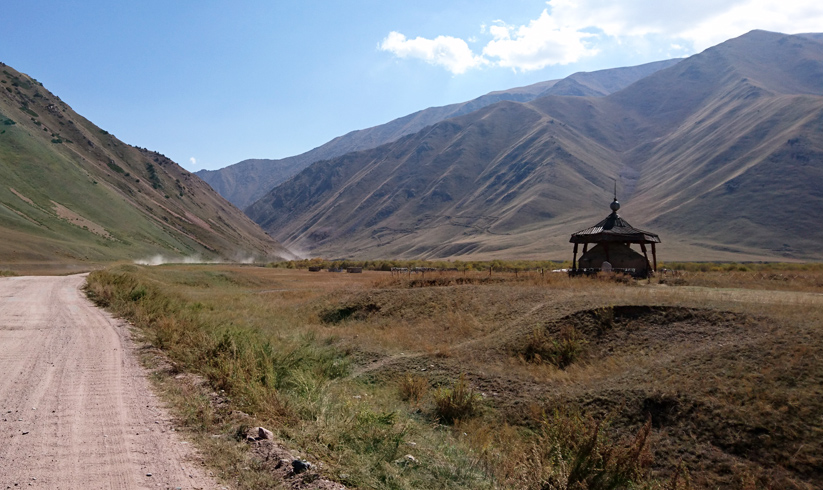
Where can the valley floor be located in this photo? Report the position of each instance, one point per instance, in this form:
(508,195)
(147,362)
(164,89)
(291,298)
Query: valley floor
(471,380)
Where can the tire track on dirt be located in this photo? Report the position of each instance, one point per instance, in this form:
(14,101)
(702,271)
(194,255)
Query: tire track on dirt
(76,410)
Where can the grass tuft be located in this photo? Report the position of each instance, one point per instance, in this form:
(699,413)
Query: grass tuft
(413,388)
(572,451)
(560,352)
(458,402)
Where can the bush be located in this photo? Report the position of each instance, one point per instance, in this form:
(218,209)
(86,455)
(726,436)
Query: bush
(459,402)
(561,352)
(413,388)
(115,167)
(575,452)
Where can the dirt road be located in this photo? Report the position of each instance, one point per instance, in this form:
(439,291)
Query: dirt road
(76,411)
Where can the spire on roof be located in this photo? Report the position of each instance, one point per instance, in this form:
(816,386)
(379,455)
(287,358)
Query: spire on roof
(615,205)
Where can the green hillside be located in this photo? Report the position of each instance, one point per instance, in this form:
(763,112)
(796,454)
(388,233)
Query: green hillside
(70,192)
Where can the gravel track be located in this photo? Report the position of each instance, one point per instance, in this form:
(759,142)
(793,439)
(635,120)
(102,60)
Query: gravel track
(76,409)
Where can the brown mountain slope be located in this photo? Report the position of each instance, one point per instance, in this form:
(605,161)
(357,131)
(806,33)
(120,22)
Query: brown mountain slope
(744,168)
(70,192)
(434,193)
(245,182)
(708,153)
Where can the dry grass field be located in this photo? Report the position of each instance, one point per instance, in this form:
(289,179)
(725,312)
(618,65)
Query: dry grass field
(464,380)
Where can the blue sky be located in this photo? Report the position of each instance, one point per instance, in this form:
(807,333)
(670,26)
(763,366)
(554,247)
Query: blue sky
(212,83)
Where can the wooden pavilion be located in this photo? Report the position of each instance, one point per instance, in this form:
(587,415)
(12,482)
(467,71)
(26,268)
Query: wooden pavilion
(612,239)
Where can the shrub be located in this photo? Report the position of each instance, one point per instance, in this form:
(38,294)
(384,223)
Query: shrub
(562,351)
(413,388)
(456,403)
(153,178)
(138,293)
(28,111)
(575,452)
(115,167)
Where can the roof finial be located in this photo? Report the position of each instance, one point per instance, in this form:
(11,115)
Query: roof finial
(615,205)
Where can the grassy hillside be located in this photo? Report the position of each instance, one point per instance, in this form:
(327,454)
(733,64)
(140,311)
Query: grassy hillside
(71,192)
(720,154)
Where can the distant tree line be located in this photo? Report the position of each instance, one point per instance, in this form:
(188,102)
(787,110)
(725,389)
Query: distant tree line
(445,265)
(527,265)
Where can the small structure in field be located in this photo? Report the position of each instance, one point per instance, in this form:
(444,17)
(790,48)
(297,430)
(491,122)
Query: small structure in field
(612,239)
(354,270)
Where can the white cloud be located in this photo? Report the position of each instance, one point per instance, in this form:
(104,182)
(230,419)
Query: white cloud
(193,161)
(449,52)
(791,17)
(542,43)
(569,30)
(703,23)
(500,31)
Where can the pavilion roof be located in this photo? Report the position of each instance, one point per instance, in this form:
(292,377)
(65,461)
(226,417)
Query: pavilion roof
(614,229)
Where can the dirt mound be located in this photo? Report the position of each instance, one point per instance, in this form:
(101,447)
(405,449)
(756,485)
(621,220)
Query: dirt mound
(630,330)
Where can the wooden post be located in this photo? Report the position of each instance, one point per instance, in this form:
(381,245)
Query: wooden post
(646,255)
(574,260)
(654,257)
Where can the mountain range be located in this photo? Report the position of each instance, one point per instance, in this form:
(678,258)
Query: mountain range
(247,181)
(70,192)
(721,154)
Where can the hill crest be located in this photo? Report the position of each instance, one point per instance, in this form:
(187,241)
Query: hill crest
(72,192)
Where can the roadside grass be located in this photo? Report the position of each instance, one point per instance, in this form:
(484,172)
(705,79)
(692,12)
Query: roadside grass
(528,381)
(282,375)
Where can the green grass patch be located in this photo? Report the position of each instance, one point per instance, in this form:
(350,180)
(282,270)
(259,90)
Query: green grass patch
(115,167)
(29,111)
